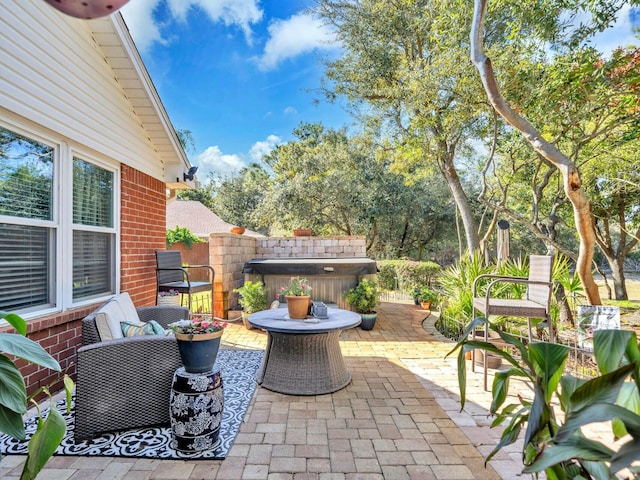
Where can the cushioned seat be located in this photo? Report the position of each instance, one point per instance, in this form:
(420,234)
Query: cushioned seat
(124,382)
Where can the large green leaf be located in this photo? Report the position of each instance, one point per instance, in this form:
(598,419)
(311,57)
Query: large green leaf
(509,436)
(462,375)
(44,443)
(13,394)
(538,417)
(598,412)
(500,389)
(629,398)
(626,455)
(604,388)
(568,385)
(26,349)
(16,321)
(11,423)
(576,447)
(609,348)
(548,361)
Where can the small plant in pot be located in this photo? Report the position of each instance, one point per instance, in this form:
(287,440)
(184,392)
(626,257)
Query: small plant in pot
(253,298)
(428,298)
(363,298)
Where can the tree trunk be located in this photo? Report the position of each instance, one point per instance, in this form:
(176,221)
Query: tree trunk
(462,202)
(619,281)
(570,175)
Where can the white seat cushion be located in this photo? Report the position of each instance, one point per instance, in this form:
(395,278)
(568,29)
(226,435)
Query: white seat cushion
(108,318)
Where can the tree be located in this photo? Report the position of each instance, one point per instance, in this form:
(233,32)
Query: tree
(572,181)
(403,64)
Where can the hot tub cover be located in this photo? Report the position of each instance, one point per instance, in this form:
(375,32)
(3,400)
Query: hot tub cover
(311,266)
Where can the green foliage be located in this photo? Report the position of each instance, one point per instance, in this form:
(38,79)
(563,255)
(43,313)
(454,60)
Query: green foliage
(181,234)
(559,449)
(456,282)
(253,296)
(297,287)
(425,294)
(406,275)
(363,297)
(14,399)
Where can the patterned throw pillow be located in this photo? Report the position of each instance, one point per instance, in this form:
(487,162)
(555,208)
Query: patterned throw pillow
(131,329)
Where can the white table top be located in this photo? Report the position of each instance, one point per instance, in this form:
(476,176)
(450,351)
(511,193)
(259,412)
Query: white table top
(277,320)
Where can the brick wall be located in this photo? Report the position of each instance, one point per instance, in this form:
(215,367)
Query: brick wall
(143,231)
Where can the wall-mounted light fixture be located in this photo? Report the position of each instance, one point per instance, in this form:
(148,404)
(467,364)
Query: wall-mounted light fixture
(189,175)
(87,8)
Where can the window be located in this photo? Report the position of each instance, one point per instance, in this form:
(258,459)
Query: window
(93,232)
(39,222)
(27,230)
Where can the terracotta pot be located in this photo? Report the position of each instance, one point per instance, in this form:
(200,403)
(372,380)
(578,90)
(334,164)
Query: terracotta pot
(302,232)
(426,305)
(198,352)
(298,306)
(237,230)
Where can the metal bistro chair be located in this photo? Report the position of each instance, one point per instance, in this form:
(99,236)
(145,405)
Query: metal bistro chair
(172,275)
(536,303)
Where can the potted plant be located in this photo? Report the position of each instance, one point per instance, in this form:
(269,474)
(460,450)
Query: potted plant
(298,295)
(169,297)
(363,298)
(253,298)
(427,298)
(198,342)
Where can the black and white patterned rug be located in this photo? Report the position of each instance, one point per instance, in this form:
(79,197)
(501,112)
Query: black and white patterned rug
(238,368)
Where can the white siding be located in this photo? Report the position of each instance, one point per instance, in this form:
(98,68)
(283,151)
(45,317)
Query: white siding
(65,73)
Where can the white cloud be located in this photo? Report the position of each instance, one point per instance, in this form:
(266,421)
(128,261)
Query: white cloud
(289,38)
(262,148)
(145,30)
(212,160)
(290,111)
(618,35)
(138,16)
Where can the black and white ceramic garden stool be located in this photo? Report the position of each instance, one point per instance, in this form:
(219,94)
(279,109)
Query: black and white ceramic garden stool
(196,407)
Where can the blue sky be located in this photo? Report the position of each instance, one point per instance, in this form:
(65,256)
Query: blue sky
(242,74)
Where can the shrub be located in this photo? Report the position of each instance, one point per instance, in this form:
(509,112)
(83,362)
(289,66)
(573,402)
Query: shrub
(253,296)
(181,234)
(387,279)
(405,275)
(363,297)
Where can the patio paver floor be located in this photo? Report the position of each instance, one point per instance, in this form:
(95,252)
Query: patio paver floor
(399,419)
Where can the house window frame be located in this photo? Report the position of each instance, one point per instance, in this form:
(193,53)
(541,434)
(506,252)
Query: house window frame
(61,224)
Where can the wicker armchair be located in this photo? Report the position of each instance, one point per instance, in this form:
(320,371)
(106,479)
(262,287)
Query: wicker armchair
(125,383)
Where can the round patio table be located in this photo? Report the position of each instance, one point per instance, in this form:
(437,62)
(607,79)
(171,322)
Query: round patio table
(303,357)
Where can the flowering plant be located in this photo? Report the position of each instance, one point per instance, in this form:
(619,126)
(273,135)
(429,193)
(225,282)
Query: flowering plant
(170,293)
(297,287)
(196,325)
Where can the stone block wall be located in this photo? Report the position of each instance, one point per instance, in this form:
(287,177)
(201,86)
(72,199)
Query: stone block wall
(311,247)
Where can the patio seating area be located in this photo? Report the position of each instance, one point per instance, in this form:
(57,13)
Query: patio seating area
(399,418)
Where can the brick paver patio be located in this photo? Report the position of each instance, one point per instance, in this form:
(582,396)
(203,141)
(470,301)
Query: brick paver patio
(398,419)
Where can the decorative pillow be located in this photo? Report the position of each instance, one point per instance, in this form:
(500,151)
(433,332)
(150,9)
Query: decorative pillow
(108,319)
(131,329)
(128,308)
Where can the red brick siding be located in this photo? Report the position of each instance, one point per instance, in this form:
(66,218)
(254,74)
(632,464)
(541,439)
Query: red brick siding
(143,230)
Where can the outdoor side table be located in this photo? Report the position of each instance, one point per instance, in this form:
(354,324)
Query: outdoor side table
(303,357)
(196,406)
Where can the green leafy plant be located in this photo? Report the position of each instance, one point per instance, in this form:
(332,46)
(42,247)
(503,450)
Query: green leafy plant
(14,399)
(297,287)
(363,297)
(253,296)
(562,450)
(428,295)
(181,234)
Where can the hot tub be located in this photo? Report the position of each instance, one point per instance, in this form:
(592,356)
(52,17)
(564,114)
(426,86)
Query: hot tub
(328,277)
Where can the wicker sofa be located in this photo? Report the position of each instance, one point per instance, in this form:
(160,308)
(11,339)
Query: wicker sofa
(125,383)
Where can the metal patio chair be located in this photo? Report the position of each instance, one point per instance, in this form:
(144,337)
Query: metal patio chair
(172,275)
(535,304)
